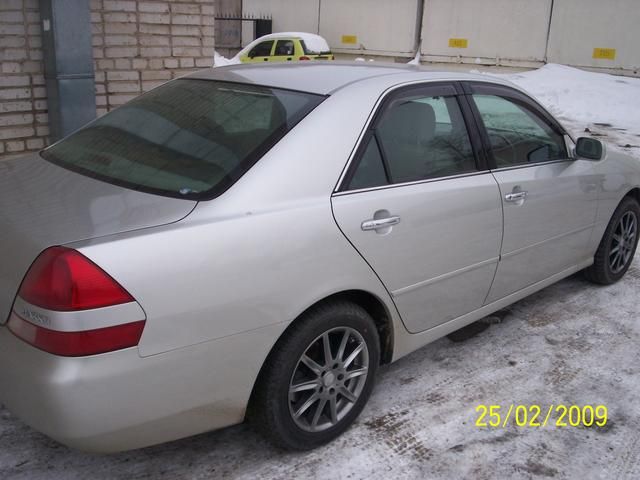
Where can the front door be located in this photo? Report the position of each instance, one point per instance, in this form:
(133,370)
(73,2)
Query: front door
(261,52)
(419,210)
(548,199)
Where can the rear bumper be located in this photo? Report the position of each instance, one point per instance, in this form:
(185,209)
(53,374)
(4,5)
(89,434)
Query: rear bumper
(121,401)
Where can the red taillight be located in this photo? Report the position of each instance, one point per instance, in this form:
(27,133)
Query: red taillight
(304,58)
(64,280)
(77,344)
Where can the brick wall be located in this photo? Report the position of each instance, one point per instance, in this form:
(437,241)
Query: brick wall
(136,45)
(23,105)
(140,44)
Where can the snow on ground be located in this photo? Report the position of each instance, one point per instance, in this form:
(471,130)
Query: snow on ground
(608,105)
(571,343)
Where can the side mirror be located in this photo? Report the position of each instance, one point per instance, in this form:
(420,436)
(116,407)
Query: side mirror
(589,148)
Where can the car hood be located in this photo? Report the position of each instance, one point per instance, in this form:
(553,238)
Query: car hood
(42,205)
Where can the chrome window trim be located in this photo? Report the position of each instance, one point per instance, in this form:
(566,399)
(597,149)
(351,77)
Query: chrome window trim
(408,184)
(365,129)
(529,165)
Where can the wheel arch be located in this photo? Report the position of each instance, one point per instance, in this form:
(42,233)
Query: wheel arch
(599,272)
(373,305)
(633,193)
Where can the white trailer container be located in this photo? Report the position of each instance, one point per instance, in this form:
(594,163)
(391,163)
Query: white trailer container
(370,27)
(495,32)
(359,27)
(596,34)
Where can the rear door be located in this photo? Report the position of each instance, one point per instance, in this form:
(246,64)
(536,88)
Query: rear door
(284,51)
(419,206)
(548,198)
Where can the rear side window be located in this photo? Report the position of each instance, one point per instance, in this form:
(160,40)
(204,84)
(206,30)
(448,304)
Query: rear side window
(311,51)
(370,172)
(417,138)
(284,47)
(187,139)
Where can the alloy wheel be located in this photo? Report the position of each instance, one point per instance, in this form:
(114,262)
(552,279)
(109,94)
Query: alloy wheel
(623,242)
(328,379)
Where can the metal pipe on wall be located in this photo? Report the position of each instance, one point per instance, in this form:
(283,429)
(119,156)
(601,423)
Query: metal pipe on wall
(68,62)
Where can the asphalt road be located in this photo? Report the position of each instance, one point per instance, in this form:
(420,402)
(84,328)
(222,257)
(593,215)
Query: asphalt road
(572,343)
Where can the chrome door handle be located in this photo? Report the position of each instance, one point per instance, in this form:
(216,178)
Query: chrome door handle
(515,196)
(380,223)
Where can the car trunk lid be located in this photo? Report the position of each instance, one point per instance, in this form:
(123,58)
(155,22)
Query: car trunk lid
(42,205)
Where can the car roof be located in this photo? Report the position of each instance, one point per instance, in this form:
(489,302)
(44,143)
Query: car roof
(327,77)
(292,35)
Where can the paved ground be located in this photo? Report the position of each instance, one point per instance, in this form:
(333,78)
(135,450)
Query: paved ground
(572,343)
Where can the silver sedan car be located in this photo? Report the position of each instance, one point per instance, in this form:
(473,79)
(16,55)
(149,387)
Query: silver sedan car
(252,242)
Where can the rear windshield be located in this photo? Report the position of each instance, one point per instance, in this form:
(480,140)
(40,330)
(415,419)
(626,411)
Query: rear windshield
(310,51)
(188,139)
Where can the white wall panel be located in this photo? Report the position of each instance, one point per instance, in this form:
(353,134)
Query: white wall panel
(580,26)
(379,26)
(505,29)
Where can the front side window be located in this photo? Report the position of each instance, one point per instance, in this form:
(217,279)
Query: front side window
(417,138)
(262,49)
(517,134)
(285,47)
(188,138)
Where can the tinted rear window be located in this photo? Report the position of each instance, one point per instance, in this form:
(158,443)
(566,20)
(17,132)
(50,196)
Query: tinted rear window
(310,51)
(187,139)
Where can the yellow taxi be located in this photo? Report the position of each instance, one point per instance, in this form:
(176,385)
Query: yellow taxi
(286,47)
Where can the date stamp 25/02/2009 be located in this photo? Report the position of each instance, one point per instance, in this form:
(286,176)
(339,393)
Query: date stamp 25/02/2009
(498,416)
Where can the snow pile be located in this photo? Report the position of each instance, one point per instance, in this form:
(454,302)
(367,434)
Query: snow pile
(416,59)
(222,61)
(582,97)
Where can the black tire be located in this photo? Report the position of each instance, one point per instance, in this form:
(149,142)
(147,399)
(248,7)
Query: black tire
(602,272)
(271,409)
